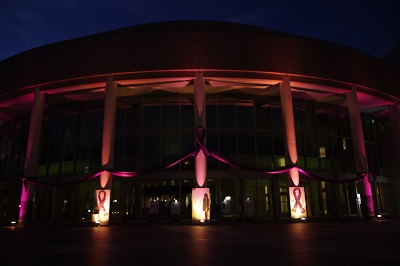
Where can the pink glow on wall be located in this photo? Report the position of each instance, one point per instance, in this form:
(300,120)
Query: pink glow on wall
(104,177)
(32,155)
(288,120)
(109,124)
(201,169)
(35,129)
(366,195)
(294,175)
(359,151)
(200,121)
(24,203)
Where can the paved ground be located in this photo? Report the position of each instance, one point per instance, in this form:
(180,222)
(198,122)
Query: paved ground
(236,243)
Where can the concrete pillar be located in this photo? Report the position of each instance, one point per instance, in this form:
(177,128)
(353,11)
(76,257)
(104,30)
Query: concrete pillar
(200,121)
(359,153)
(395,122)
(107,150)
(290,134)
(32,156)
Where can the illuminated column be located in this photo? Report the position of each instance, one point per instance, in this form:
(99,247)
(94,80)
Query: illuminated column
(395,122)
(200,193)
(360,157)
(32,156)
(288,122)
(103,195)
(107,151)
(200,121)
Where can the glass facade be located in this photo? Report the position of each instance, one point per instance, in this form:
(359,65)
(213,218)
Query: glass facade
(157,128)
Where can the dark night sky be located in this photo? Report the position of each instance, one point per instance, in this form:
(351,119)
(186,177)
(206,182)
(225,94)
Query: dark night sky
(372,26)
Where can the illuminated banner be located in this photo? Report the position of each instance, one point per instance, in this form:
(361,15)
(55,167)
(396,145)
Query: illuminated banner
(200,205)
(102,209)
(298,203)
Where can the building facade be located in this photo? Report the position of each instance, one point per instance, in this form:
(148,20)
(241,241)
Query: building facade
(140,117)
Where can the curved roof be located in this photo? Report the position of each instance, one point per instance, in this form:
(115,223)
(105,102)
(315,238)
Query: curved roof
(178,49)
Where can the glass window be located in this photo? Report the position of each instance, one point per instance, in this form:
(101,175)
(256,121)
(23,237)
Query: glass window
(170,149)
(279,143)
(120,119)
(133,151)
(119,151)
(276,117)
(324,152)
(245,117)
(246,148)
(246,142)
(333,120)
(344,122)
(151,117)
(297,120)
(86,122)
(54,150)
(264,150)
(133,117)
(98,118)
(187,141)
(311,151)
(169,146)
(321,118)
(187,117)
(227,117)
(308,117)
(151,150)
(228,144)
(71,121)
(266,115)
(170,117)
(300,150)
(211,114)
(212,145)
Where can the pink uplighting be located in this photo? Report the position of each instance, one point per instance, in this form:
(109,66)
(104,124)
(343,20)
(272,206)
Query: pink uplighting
(287,110)
(201,169)
(104,177)
(24,200)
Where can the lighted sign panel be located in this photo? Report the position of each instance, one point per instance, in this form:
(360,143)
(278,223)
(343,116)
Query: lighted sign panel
(200,204)
(102,209)
(297,203)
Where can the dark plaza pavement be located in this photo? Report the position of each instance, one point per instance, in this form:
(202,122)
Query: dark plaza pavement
(220,243)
